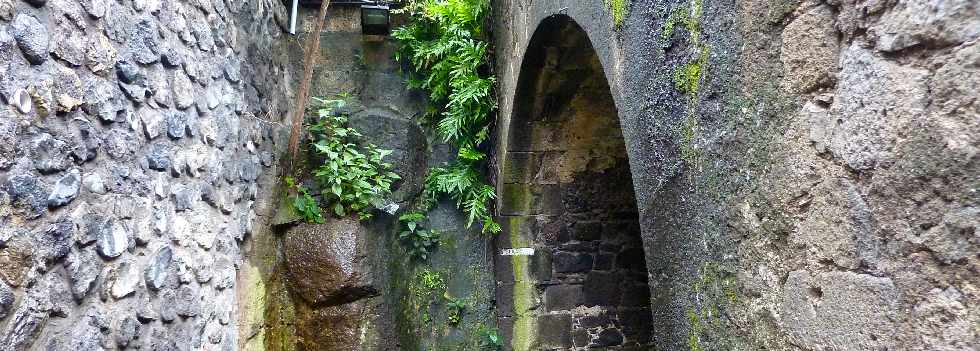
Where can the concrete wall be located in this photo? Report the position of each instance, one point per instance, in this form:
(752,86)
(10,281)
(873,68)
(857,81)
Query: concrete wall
(133,171)
(806,181)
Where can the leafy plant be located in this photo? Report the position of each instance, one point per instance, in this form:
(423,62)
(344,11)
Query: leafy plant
(304,204)
(455,308)
(353,175)
(429,281)
(447,48)
(491,339)
(420,242)
(464,184)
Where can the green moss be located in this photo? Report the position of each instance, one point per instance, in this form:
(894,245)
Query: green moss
(693,21)
(686,78)
(619,11)
(689,77)
(694,333)
(523,290)
(689,151)
(714,289)
(676,16)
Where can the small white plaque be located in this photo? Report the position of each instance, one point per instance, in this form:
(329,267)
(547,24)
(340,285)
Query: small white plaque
(522,251)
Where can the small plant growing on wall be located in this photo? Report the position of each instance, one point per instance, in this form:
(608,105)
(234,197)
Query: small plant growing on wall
(304,204)
(455,308)
(491,339)
(419,242)
(353,175)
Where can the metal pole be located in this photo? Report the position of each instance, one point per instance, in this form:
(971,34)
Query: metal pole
(292,18)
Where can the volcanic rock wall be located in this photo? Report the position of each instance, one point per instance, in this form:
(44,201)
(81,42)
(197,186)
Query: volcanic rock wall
(805,171)
(135,148)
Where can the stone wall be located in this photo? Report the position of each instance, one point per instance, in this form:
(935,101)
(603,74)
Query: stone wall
(805,171)
(567,193)
(137,147)
(353,285)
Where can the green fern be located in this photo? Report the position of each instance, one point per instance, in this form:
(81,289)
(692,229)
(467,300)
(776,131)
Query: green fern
(447,48)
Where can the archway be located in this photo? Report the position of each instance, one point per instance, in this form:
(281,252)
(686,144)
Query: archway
(567,193)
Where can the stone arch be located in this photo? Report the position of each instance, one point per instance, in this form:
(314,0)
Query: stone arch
(567,192)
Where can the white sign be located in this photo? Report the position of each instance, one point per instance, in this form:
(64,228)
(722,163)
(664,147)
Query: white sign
(523,251)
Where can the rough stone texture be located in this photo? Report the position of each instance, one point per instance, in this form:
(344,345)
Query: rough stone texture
(325,265)
(839,310)
(567,193)
(32,38)
(88,260)
(818,189)
(809,51)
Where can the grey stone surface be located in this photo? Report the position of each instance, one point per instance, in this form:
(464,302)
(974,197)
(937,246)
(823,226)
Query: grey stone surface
(125,280)
(32,38)
(83,269)
(158,268)
(113,239)
(50,154)
(65,189)
(24,325)
(53,242)
(100,54)
(26,194)
(188,301)
(839,310)
(6,299)
(868,129)
(928,23)
(183,90)
(176,124)
(810,50)
(159,157)
(70,45)
(85,177)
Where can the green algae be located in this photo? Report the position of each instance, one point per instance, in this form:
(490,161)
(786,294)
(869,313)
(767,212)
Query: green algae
(619,11)
(523,290)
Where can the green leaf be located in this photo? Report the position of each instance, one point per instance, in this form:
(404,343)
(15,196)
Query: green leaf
(338,209)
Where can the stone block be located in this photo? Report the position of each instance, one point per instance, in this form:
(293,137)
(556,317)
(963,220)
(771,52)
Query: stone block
(839,310)
(585,230)
(608,337)
(636,325)
(602,289)
(563,297)
(567,262)
(549,230)
(595,321)
(603,262)
(554,331)
(631,259)
(525,199)
(540,264)
(809,50)
(519,168)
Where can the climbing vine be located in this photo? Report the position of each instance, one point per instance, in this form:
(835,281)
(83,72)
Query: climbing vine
(446,45)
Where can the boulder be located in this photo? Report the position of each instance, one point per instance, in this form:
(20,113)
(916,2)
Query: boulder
(324,265)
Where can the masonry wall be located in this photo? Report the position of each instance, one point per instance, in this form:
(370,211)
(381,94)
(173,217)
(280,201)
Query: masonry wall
(567,194)
(139,140)
(805,171)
